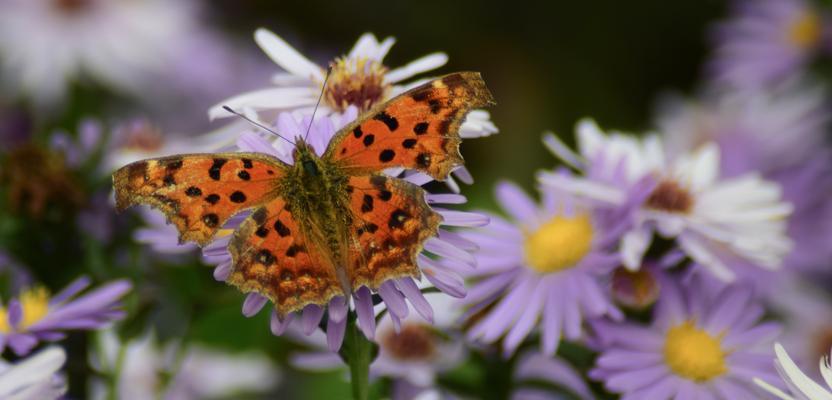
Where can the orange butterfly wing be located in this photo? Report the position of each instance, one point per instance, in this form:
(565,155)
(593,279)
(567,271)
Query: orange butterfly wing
(391,220)
(199,192)
(274,256)
(418,129)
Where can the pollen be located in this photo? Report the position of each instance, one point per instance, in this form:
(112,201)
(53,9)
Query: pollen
(671,197)
(35,305)
(415,342)
(694,354)
(805,30)
(559,244)
(355,82)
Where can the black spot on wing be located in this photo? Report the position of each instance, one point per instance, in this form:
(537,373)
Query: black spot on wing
(391,122)
(212,198)
(281,229)
(385,195)
(238,197)
(244,175)
(386,155)
(421,128)
(247,163)
(264,257)
(214,171)
(409,143)
(193,191)
(367,204)
(368,140)
(210,220)
(397,219)
(357,132)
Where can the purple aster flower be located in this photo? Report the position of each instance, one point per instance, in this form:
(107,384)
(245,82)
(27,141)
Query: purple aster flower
(412,352)
(764,42)
(698,346)
(718,222)
(36,316)
(77,151)
(541,271)
(442,259)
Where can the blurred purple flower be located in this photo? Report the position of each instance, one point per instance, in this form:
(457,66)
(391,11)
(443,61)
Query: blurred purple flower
(765,42)
(698,345)
(77,151)
(48,44)
(547,264)
(34,316)
(749,126)
(442,259)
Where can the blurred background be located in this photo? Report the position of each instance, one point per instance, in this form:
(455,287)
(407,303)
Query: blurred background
(547,65)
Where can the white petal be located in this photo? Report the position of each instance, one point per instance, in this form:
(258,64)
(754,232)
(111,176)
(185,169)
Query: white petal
(384,48)
(33,370)
(773,390)
(286,56)
(798,378)
(426,63)
(583,187)
(365,47)
(590,137)
(700,253)
(272,98)
(633,245)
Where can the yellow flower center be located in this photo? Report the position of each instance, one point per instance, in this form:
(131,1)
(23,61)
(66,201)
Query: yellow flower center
(694,354)
(35,304)
(355,81)
(805,31)
(559,244)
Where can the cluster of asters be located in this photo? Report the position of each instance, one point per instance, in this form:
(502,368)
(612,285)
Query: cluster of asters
(677,258)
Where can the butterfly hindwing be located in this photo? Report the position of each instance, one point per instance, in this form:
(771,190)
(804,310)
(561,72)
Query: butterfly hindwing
(390,223)
(418,129)
(199,192)
(274,256)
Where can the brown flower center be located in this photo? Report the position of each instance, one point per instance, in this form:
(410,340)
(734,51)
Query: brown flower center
(355,82)
(415,342)
(671,197)
(634,289)
(71,6)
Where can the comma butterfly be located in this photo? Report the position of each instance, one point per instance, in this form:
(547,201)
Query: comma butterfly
(323,225)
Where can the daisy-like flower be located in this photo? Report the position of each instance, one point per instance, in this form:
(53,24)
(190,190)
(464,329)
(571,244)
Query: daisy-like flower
(765,41)
(35,316)
(358,79)
(34,377)
(717,222)
(146,370)
(545,265)
(697,347)
(800,386)
(442,259)
(45,44)
(412,352)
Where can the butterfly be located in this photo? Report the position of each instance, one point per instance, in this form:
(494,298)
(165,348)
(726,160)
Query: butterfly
(323,225)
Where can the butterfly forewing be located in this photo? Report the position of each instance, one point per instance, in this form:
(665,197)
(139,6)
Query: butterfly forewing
(418,129)
(199,192)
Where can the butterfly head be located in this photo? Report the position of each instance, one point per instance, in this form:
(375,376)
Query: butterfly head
(305,157)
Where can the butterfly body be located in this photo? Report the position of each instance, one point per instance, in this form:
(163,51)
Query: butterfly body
(324,225)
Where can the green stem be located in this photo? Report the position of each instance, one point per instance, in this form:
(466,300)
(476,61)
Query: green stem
(357,352)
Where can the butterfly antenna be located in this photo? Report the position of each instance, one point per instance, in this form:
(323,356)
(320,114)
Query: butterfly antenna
(320,96)
(257,124)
